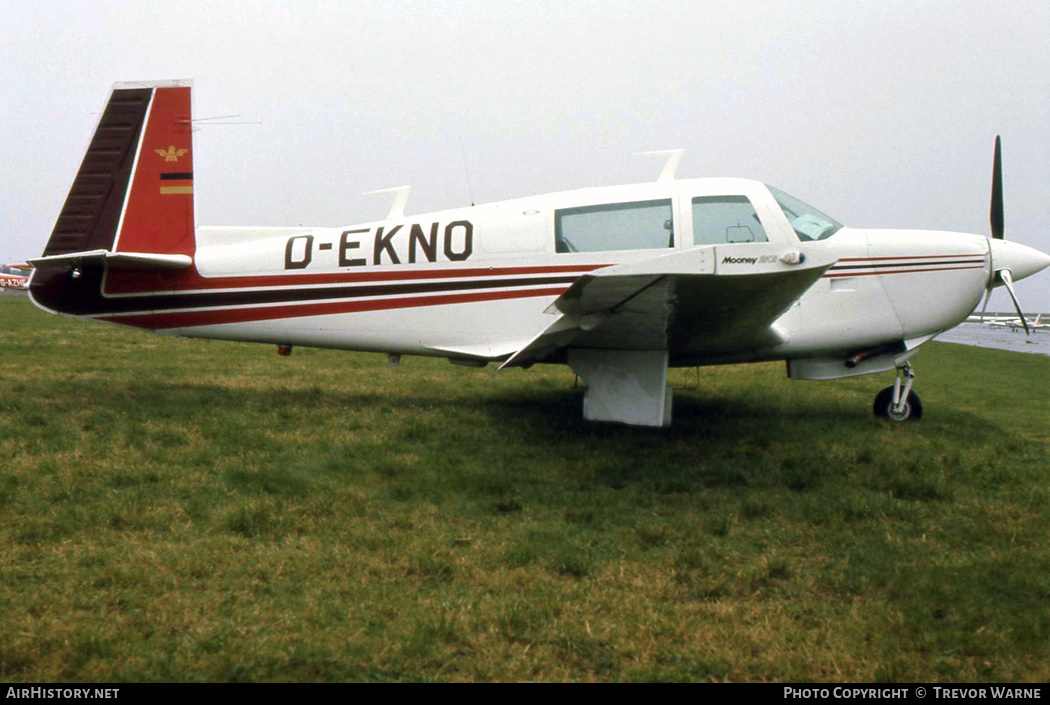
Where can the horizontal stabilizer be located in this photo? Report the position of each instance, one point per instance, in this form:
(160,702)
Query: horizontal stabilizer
(115,260)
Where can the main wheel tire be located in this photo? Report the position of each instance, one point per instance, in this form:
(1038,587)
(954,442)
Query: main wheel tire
(884,406)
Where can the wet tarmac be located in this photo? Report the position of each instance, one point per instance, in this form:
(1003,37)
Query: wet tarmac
(1000,337)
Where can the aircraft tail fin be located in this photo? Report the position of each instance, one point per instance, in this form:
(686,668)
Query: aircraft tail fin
(134,190)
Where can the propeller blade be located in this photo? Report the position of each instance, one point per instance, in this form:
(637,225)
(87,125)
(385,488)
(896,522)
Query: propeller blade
(1005,275)
(987,295)
(996,212)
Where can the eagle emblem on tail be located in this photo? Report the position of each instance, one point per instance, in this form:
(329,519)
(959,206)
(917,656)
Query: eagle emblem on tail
(171,154)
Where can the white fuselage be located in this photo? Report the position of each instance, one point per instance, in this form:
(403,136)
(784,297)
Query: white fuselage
(475,282)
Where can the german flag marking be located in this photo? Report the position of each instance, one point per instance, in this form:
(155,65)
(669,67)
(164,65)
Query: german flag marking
(172,183)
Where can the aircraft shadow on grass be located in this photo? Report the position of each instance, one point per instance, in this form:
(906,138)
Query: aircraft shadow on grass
(716,442)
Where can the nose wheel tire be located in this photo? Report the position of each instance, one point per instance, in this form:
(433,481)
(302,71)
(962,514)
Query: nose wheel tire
(910,409)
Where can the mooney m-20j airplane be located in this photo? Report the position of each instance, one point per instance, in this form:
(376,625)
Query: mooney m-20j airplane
(619,282)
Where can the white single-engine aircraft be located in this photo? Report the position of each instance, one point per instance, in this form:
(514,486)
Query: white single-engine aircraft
(618,282)
(1015,323)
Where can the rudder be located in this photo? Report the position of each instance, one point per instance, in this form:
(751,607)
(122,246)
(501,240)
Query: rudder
(158,216)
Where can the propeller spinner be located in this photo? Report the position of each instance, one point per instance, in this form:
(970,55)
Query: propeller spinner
(1009,261)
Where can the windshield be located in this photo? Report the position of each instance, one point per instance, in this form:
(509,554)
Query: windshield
(807,221)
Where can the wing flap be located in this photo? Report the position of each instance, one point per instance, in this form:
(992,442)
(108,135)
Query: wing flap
(558,334)
(477,351)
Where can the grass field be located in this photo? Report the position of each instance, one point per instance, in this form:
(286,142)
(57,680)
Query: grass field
(184,510)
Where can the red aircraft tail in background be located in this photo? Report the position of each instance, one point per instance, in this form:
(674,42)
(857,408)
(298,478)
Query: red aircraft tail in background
(14,276)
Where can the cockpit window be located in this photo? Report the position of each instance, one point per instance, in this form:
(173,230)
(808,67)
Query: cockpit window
(807,221)
(615,226)
(726,220)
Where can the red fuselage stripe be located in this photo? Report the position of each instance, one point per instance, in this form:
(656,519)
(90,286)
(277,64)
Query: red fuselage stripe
(881,259)
(195,283)
(181,319)
(899,271)
(186,319)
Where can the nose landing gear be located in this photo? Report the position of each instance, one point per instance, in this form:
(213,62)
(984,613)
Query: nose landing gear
(898,404)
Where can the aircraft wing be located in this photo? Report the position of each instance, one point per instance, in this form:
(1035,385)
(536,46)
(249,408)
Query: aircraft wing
(700,302)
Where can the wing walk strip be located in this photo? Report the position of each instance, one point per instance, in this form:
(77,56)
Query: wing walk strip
(183,309)
(873,266)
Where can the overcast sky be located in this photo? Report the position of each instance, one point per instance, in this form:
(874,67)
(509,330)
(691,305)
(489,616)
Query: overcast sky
(882,114)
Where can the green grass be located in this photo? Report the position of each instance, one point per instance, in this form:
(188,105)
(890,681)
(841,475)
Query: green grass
(188,510)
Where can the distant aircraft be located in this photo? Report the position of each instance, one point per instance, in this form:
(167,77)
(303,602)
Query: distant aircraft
(13,276)
(618,282)
(1012,322)
(1018,323)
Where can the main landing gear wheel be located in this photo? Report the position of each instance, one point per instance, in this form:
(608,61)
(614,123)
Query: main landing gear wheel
(898,404)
